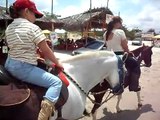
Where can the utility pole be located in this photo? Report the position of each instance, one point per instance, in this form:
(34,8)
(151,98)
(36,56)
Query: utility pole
(90,8)
(52,15)
(52,8)
(119,14)
(6,6)
(107,3)
(6,21)
(90,22)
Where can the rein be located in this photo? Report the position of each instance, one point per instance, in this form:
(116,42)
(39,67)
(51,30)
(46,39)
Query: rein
(78,86)
(125,57)
(93,101)
(107,98)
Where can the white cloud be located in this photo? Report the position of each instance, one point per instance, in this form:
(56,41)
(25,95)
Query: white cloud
(136,1)
(68,11)
(147,16)
(85,5)
(45,5)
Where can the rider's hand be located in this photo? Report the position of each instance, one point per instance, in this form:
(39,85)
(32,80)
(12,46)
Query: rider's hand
(131,54)
(59,66)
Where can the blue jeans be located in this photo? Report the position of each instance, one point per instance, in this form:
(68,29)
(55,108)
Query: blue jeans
(34,75)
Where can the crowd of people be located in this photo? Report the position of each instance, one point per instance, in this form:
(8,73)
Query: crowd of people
(71,44)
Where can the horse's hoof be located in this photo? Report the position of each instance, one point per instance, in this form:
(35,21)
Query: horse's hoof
(86,113)
(60,118)
(139,105)
(119,111)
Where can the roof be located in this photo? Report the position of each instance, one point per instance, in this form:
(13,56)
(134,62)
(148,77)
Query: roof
(4,16)
(47,23)
(95,17)
(43,23)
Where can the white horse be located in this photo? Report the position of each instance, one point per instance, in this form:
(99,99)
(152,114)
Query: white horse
(87,70)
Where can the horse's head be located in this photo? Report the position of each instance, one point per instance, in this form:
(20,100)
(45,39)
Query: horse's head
(144,54)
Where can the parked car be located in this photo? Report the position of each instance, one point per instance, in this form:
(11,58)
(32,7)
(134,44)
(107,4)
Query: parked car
(91,46)
(137,41)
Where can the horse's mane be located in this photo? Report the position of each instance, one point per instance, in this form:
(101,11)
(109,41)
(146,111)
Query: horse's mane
(90,54)
(138,49)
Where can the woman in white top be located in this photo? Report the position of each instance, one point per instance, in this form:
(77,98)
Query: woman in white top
(116,41)
(115,37)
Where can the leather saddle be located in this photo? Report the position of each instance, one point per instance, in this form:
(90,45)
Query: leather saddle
(10,95)
(13,92)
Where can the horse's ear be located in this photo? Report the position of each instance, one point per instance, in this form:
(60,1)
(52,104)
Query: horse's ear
(143,44)
(152,46)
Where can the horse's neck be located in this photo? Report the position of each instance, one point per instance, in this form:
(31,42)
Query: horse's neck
(137,51)
(89,72)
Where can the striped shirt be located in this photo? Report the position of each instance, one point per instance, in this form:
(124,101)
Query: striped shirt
(22,38)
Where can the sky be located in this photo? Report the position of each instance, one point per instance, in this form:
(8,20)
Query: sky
(141,14)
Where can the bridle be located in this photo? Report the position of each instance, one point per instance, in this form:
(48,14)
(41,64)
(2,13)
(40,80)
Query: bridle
(87,94)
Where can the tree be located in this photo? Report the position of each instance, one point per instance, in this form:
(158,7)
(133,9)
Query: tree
(151,30)
(49,16)
(132,34)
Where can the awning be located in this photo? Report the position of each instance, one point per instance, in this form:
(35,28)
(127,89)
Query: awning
(46,31)
(157,37)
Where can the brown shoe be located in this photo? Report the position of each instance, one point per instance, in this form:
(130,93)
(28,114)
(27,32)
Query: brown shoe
(47,109)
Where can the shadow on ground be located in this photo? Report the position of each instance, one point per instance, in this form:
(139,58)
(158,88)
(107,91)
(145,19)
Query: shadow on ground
(126,114)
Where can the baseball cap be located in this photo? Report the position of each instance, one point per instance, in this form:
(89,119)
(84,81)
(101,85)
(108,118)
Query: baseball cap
(22,4)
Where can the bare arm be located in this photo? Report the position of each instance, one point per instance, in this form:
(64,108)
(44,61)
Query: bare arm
(124,45)
(48,53)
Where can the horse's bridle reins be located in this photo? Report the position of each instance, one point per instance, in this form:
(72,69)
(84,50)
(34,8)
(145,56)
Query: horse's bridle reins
(93,101)
(125,57)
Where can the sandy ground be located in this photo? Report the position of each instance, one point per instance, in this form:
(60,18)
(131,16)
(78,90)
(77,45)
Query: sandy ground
(150,95)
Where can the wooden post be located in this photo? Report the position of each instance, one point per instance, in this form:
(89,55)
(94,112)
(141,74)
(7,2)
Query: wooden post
(107,3)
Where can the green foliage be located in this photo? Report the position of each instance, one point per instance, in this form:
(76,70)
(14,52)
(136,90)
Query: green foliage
(49,16)
(131,34)
(99,33)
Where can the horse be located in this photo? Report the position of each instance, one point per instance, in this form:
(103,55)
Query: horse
(83,72)
(142,54)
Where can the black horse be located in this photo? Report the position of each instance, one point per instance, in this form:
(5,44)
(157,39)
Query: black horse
(142,54)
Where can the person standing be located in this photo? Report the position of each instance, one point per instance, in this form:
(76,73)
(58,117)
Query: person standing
(23,37)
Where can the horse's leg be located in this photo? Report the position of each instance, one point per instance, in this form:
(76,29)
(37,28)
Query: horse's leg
(118,101)
(139,99)
(59,112)
(98,100)
(59,117)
